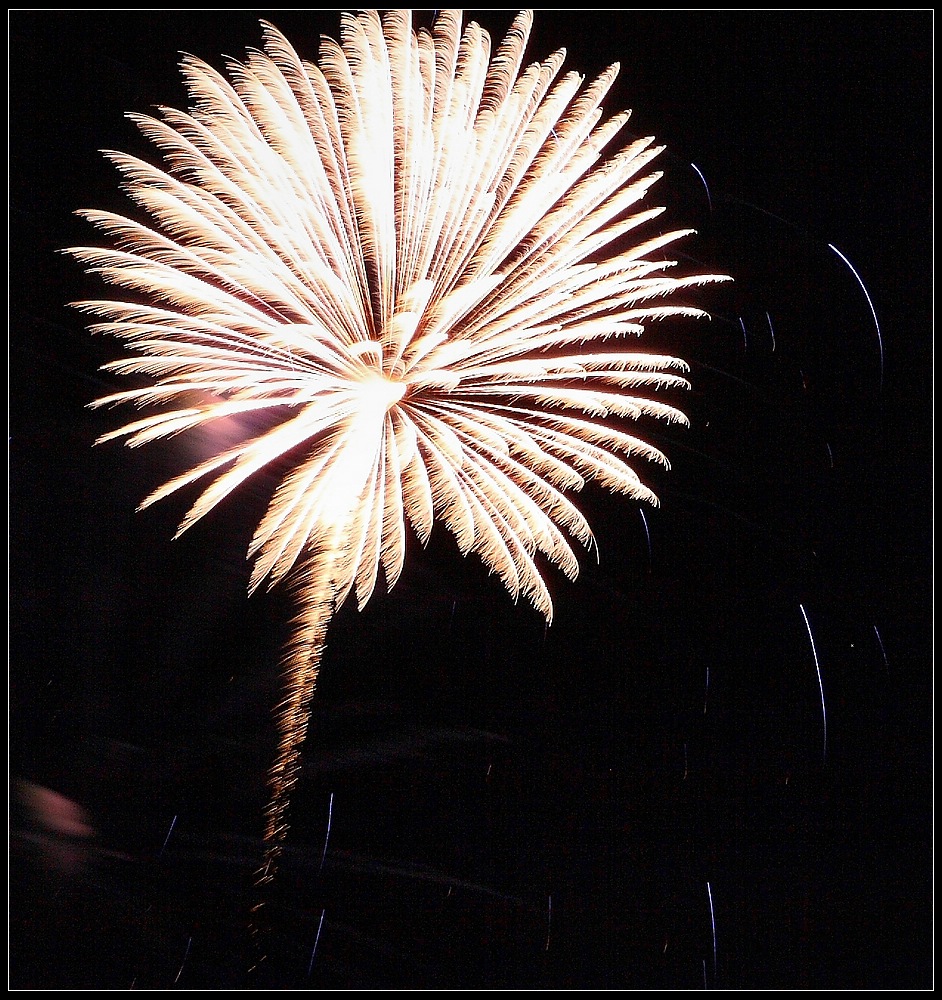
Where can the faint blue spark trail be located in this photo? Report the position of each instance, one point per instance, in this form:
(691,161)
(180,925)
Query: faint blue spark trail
(647,535)
(705,185)
(886,662)
(330,813)
(713,926)
(167,838)
(549,922)
(317,938)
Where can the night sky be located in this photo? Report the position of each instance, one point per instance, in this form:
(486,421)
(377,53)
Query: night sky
(713,770)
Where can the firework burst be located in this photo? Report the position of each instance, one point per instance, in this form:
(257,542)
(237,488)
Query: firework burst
(409,261)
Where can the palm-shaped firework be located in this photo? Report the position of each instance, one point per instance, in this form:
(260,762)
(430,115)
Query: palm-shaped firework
(409,262)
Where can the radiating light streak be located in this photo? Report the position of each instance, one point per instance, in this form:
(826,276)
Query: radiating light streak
(817,667)
(317,938)
(549,921)
(706,691)
(330,813)
(830,453)
(705,185)
(745,342)
(873,311)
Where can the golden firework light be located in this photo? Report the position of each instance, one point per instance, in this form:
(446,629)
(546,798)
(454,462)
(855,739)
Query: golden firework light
(412,272)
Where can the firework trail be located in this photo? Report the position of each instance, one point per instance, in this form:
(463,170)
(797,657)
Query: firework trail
(414,262)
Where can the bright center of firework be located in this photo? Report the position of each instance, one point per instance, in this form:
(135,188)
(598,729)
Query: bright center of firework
(380,394)
(348,476)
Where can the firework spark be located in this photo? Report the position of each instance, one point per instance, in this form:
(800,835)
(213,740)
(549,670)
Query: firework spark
(415,262)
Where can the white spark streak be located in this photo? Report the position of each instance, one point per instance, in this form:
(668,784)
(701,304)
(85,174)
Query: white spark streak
(712,925)
(768,320)
(886,662)
(817,667)
(705,185)
(873,311)
(167,838)
(317,938)
(185,955)
(647,535)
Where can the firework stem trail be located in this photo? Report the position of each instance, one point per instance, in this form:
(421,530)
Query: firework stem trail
(316,590)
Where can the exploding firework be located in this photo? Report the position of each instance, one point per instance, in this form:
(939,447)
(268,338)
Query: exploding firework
(414,265)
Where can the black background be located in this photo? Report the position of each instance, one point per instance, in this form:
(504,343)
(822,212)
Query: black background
(639,796)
